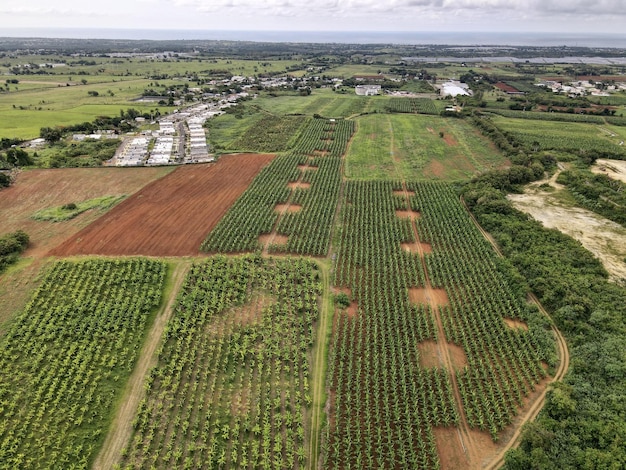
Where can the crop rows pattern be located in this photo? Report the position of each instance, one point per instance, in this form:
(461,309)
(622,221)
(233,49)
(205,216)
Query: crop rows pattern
(384,404)
(231,387)
(412,105)
(504,364)
(67,356)
(319,148)
(270,134)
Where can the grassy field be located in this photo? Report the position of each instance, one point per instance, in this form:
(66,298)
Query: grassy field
(410,147)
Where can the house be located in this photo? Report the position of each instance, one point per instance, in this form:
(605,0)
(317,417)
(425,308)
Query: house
(367,90)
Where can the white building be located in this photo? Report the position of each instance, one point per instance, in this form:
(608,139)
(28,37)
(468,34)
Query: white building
(367,90)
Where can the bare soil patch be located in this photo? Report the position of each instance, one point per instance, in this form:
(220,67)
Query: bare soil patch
(457,356)
(408,214)
(615,169)
(429,354)
(450,140)
(428,296)
(417,247)
(602,237)
(452,455)
(515,324)
(171,216)
(40,189)
(435,168)
(306,167)
(299,185)
(273,238)
(287,208)
(404,193)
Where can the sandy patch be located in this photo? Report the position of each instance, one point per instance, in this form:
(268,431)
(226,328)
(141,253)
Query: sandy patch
(615,169)
(306,167)
(457,356)
(435,168)
(273,238)
(404,193)
(602,237)
(451,451)
(287,208)
(515,324)
(408,215)
(428,296)
(299,185)
(429,356)
(450,140)
(417,247)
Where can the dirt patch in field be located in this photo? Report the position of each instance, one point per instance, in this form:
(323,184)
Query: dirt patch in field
(615,169)
(408,214)
(450,140)
(602,237)
(429,354)
(417,247)
(435,168)
(515,324)
(299,185)
(41,189)
(431,130)
(457,356)
(306,167)
(273,238)
(252,312)
(404,193)
(428,296)
(452,456)
(287,208)
(171,216)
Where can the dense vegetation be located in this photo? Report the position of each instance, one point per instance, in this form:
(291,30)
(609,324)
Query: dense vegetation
(241,334)
(598,193)
(11,246)
(66,358)
(582,423)
(270,134)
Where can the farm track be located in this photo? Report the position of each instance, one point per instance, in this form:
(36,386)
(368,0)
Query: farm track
(564,356)
(464,433)
(170,216)
(121,427)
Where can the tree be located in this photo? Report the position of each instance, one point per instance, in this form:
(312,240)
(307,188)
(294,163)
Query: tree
(51,134)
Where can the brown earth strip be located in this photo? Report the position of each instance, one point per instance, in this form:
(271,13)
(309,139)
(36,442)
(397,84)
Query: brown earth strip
(171,216)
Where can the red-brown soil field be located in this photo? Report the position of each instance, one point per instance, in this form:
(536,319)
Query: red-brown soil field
(171,216)
(41,189)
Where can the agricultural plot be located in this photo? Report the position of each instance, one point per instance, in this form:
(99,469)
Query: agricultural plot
(418,148)
(304,213)
(412,105)
(171,216)
(571,137)
(270,134)
(66,358)
(389,392)
(241,334)
(323,102)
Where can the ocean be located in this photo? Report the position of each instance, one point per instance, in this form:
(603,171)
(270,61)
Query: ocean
(345,37)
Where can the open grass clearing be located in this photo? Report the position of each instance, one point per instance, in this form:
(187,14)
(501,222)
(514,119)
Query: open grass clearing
(419,148)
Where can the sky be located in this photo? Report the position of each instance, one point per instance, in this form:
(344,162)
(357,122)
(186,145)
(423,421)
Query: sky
(560,16)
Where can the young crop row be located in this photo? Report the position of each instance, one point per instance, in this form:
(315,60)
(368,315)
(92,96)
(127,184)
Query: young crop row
(66,358)
(231,387)
(412,105)
(309,229)
(503,363)
(270,134)
(383,404)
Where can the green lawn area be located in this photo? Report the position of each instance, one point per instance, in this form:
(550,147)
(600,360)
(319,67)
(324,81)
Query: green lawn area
(410,147)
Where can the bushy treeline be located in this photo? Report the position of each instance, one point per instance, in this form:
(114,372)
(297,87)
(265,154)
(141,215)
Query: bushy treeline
(11,246)
(582,424)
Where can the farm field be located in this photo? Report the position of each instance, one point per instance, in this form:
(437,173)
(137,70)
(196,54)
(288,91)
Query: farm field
(66,358)
(410,147)
(37,190)
(171,216)
(242,333)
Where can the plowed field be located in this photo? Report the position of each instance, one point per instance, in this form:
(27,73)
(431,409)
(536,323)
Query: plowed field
(171,216)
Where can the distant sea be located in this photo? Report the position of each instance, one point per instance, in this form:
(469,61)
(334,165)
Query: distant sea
(352,37)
